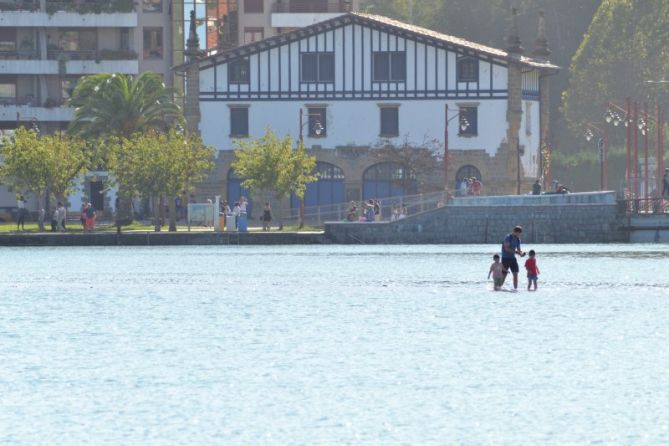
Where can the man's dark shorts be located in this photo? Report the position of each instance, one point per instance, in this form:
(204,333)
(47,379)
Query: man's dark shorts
(510,264)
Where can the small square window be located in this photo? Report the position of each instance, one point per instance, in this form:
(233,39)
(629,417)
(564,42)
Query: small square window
(390,123)
(152,5)
(239,122)
(317,67)
(253,34)
(238,72)
(468,121)
(389,66)
(317,122)
(253,6)
(468,70)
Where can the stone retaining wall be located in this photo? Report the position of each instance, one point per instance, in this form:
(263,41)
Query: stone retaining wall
(162,239)
(597,221)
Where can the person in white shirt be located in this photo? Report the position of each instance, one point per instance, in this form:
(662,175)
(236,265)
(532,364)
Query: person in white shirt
(21,221)
(62,215)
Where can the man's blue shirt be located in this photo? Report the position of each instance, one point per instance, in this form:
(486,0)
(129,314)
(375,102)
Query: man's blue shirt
(514,244)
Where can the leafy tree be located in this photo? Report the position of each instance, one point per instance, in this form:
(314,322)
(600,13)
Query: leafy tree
(111,105)
(115,104)
(422,162)
(270,164)
(37,164)
(624,47)
(154,164)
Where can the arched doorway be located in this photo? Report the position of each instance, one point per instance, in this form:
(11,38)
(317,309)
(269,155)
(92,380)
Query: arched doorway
(236,190)
(388,179)
(466,171)
(329,189)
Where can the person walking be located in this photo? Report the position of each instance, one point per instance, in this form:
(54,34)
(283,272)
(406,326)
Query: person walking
(90,215)
(21,220)
(511,247)
(665,183)
(54,219)
(62,216)
(536,188)
(266,217)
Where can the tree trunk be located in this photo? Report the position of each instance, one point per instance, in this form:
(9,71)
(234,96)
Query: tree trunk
(173,213)
(156,213)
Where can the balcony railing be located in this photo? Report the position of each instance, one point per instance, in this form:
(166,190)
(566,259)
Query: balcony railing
(311,6)
(19,5)
(106,54)
(19,54)
(91,7)
(32,101)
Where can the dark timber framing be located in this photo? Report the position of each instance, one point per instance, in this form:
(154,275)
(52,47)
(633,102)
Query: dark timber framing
(356,80)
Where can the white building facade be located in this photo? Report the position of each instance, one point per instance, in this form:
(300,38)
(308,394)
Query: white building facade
(358,82)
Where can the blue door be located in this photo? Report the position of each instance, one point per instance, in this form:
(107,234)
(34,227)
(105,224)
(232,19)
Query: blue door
(236,190)
(329,189)
(385,180)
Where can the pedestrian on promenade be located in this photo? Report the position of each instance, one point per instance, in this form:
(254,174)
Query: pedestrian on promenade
(54,219)
(536,188)
(82,213)
(62,216)
(511,247)
(665,183)
(266,217)
(377,210)
(41,215)
(90,217)
(21,221)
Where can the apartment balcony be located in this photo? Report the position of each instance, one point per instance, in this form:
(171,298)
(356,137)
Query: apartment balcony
(73,62)
(26,109)
(108,14)
(301,13)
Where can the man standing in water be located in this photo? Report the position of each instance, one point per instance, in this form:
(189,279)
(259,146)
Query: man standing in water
(510,248)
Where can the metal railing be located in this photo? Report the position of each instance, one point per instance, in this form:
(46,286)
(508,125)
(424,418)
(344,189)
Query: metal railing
(105,54)
(19,54)
(310,6)
(19,5)
(644,206)
(318,215)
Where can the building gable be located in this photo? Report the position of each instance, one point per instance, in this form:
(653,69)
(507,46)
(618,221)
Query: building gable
(355,58)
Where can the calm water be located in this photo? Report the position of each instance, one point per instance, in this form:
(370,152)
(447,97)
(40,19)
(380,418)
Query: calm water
(332,345)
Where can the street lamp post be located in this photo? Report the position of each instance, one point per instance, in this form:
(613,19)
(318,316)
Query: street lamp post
(464,125)
(612,116)
(603,151)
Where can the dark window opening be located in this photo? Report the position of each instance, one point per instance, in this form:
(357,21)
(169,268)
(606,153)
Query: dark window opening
(317,67)
(317,122)
(239,122)
(239,72)
(468,70)
(389,66)
(253,6)
(468,125)
(390,123)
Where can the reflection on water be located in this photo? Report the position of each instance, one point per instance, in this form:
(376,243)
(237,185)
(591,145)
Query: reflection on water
(332,345)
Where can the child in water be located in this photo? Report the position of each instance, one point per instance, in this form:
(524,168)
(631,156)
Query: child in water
(532,270)
(498,272)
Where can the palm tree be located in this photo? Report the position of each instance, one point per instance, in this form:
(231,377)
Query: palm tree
(118,105)
(115,104)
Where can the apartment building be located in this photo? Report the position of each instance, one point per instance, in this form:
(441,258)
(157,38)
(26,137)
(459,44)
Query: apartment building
(47,46)
(224,24)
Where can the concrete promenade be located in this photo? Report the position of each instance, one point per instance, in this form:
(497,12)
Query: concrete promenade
(149,238)
(594,217)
